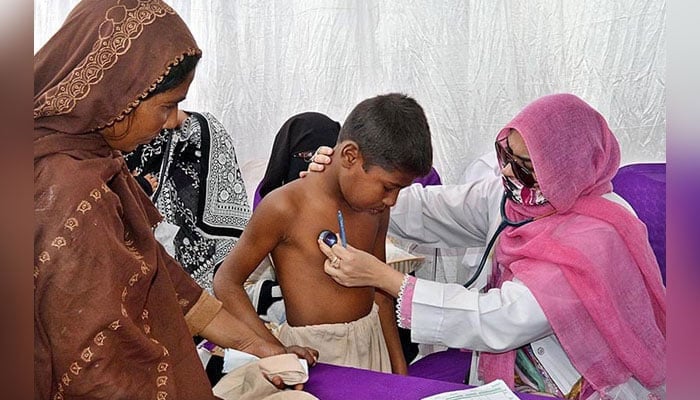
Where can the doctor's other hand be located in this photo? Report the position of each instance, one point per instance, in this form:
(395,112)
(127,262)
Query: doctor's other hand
(352,267)
(319,160)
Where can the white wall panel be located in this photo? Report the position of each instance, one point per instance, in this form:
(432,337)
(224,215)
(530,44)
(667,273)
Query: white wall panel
(471,64)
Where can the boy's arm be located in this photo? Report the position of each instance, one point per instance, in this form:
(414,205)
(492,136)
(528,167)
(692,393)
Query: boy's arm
(261,235)
(387,315)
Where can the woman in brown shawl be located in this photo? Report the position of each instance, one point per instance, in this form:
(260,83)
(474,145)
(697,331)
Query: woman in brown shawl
(114,315)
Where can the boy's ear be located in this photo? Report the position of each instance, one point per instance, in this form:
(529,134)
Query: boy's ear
(350,154)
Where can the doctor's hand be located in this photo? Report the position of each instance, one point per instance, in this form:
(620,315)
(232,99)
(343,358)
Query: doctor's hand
(352,267)
(319,160)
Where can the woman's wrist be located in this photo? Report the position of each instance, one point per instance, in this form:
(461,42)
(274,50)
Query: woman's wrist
(404,303)
(390,280)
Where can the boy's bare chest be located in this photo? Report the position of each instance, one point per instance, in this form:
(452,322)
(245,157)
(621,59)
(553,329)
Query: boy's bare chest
(362,229)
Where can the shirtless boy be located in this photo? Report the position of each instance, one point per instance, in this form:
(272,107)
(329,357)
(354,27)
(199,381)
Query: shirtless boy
(383,145)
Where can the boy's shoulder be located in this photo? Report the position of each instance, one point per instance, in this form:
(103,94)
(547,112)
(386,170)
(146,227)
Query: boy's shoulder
(296,199)
(288,198)
(301,189)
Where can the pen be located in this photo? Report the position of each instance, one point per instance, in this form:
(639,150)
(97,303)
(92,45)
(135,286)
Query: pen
(341,223)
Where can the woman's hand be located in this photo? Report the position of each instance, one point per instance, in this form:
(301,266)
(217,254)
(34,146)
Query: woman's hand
(152,180)
(310,355)
(352,267)
(319,160)
(307,353)
(148,182)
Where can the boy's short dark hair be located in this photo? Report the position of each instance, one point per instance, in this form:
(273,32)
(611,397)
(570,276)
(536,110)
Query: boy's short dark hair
(392,132)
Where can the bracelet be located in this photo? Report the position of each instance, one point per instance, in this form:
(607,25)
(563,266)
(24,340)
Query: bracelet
(403,314)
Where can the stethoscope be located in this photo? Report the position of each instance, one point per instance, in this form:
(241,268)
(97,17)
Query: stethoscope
(505,222)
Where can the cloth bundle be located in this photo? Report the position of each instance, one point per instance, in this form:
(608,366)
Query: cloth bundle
(249,382)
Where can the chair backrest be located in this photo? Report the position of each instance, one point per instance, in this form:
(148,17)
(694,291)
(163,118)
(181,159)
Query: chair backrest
(432,178)
(644,187)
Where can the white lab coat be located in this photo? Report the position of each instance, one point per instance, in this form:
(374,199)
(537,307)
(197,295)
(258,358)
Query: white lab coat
(449,216)
(503,319)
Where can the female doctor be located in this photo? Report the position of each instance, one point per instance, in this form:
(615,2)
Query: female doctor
(576,306)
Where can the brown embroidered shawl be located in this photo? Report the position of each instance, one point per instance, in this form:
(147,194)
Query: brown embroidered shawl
(113,313)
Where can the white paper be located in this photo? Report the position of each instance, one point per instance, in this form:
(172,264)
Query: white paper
(496,390)
(235,359)
(304,365)
(165,233)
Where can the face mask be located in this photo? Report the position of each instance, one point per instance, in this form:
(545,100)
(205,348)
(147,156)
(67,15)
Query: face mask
(521,194)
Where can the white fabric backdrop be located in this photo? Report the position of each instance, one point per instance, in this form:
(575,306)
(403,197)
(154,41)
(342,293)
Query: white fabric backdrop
(471,64)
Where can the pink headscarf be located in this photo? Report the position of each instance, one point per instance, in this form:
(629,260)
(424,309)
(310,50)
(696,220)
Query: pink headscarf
(590,265)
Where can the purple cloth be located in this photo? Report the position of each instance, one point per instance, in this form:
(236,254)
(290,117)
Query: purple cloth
(433,178)
(450,365)
(332,382)
(256,196)
(644,187)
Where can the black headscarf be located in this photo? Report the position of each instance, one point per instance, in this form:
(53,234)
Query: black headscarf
(302,132)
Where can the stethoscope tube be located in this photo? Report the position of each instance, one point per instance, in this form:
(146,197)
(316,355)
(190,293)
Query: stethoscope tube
(505,222)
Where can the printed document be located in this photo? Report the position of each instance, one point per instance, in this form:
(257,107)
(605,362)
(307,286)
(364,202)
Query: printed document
(496,390)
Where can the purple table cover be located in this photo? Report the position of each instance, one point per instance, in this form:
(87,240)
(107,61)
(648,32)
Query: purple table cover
(332,382)
(451,365)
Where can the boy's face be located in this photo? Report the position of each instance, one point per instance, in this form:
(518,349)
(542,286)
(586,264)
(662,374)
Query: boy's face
(374,190)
